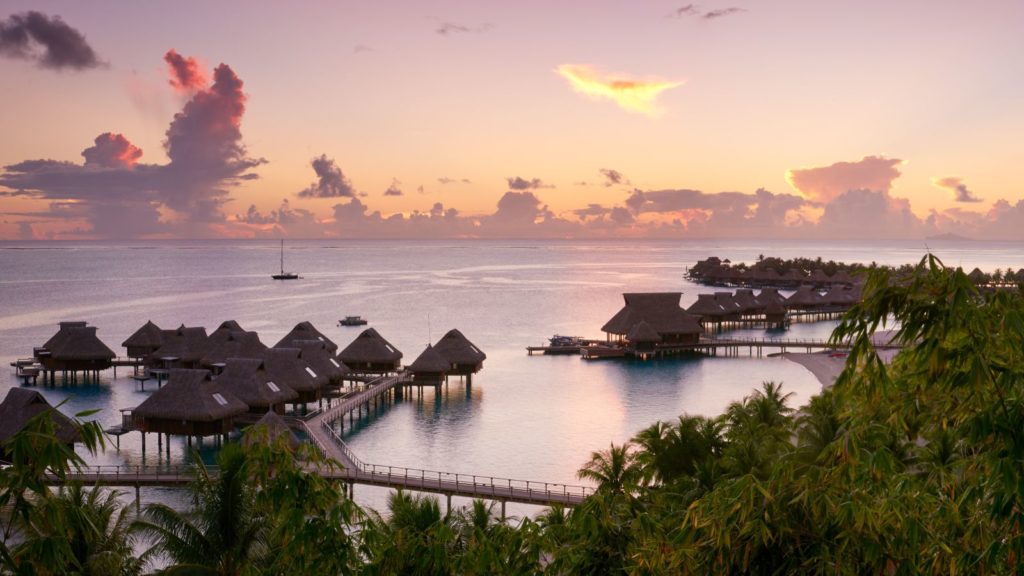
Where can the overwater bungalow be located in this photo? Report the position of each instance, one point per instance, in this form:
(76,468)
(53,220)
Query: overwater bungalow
(747,301)
(805,298)
(643,338)
(775,313)
(75,348)
(430,367)
(224,344)
(21,405)
(465,358)
(768,295)
(285,366)
(183,347)
(190,404)
(838,297)
(370,353)
(316,355)
(144,341)
(661,310)
(268,430)
(819,278)
(708,310)
(305,331)
(248,380)
(733,311)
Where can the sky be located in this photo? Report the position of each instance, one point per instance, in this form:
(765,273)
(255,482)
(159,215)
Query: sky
(494,119)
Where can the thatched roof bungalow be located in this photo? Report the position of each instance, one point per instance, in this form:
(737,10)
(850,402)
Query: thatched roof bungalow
(732,309)
(186,343)
(305,331)
(708,310)
(21,405)
(247,379)
(768,295)
(315,354)
(464,357)
(269,430)
(430,367)
(661,311)
(191,404)
(643,338)
(371,353)
(805,298)
(75,347)
(747,302)
(224,344)
(285,366)
(144,341)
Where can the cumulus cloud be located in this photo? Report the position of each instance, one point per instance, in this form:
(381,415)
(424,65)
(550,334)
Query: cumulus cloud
(826,183)
(869,215)
(285,221)
(450,28)
(517,183)
(120,197)
(187,74)
(330,181)
(48,42)
(957,187)
(638,96)
(112,151)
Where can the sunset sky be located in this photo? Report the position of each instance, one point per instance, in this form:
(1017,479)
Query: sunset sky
(774,119)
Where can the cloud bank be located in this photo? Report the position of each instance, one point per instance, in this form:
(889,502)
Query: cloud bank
(115,195)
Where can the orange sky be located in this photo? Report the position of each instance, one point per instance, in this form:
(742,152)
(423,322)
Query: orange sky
(515,115)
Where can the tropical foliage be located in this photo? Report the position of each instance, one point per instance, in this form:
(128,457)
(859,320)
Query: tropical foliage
(904,468)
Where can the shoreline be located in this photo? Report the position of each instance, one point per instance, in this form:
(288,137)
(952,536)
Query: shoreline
(826,366)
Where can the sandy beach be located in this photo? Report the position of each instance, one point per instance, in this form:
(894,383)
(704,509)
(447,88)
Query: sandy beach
(826,366)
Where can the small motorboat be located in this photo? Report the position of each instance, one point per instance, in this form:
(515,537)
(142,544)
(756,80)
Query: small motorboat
(352,321)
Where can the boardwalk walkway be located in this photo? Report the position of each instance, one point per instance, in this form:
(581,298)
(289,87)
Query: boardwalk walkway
(320,432)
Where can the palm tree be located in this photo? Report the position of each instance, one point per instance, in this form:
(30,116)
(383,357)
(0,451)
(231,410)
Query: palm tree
(94,527)
(415,539)
(223,535)
(615,470)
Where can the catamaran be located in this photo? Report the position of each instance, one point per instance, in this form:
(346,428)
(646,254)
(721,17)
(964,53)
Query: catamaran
(284,275)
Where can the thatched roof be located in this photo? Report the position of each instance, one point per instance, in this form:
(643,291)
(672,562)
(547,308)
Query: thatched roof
(305,331)
(21,405)
(222,345)
(316,355)
(804,296)
(80,343)
(746,300)
(769,295)
(249,381)
(148,335)
(430,361)
(371,347)
(838,294)
(842,276)
(457,349)
(819,275)
(228,326)
(192,396)
(774,308)
(727,302)
(659,309)
(283,365)
(706,306)
(643,332)
(186,343)
(976,275)
(62,329)
(268,429)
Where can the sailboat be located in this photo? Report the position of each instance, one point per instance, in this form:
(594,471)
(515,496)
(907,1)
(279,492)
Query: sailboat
(284,275)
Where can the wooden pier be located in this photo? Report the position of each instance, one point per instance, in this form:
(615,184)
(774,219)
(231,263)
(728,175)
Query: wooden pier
(715,346)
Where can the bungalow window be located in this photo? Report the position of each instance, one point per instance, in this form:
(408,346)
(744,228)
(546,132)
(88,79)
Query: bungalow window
(473,348)
(220,399)
(310,372)
(335,362)
(388,346)
(273,387)
(321,338)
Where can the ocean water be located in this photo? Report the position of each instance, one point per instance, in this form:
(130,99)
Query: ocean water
(535,418)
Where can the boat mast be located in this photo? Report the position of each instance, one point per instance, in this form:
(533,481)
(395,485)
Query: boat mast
(282,255)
